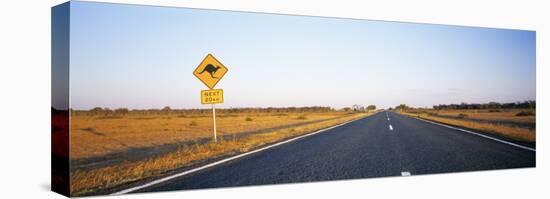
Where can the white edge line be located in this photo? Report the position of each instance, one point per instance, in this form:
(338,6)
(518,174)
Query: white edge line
(226,160)
(478,134)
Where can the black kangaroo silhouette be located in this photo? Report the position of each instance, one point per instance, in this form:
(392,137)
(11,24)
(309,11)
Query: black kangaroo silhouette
(210,69)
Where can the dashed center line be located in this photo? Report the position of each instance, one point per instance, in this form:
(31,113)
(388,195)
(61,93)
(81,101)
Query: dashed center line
(405,173)
(391,128)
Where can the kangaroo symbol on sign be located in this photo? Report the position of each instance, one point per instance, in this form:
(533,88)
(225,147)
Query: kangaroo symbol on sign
(210,69)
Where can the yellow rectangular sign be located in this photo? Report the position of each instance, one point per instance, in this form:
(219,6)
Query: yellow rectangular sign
(213,96)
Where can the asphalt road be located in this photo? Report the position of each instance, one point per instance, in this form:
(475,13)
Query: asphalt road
(362,149)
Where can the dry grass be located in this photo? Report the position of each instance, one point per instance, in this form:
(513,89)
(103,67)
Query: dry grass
(521,134)
(93,136)
(498,114)
(128,132)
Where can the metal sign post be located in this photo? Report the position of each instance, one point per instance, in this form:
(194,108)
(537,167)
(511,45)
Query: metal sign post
(210,71)
(214,122)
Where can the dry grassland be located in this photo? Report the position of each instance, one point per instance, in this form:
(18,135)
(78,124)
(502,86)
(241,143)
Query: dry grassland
(496,115)
(96,136)
(516,133)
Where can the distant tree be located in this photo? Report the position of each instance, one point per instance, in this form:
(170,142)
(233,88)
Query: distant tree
(346,109)
(107,111)
(402,107)
(96,111)
(357,107)
(166,109)
(371,107)
(493,106)
(121,111)
(531,104)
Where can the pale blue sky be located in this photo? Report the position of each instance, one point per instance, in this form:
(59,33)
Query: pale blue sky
(143,57)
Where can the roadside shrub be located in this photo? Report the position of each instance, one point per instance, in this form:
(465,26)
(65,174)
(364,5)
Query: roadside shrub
(193,123)
(166,109)
(494,111)
(144,118)
(88,129)
(302,117)
(248,119)
(525,113)
(122,111)
(227,115)
(462,115)
(108,117)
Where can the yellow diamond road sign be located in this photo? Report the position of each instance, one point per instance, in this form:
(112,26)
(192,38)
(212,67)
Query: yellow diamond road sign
(210,71)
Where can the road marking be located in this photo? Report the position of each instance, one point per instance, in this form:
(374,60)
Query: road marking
(167,178)
(405,173)
(388,119)
(481,135)
(391,128)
